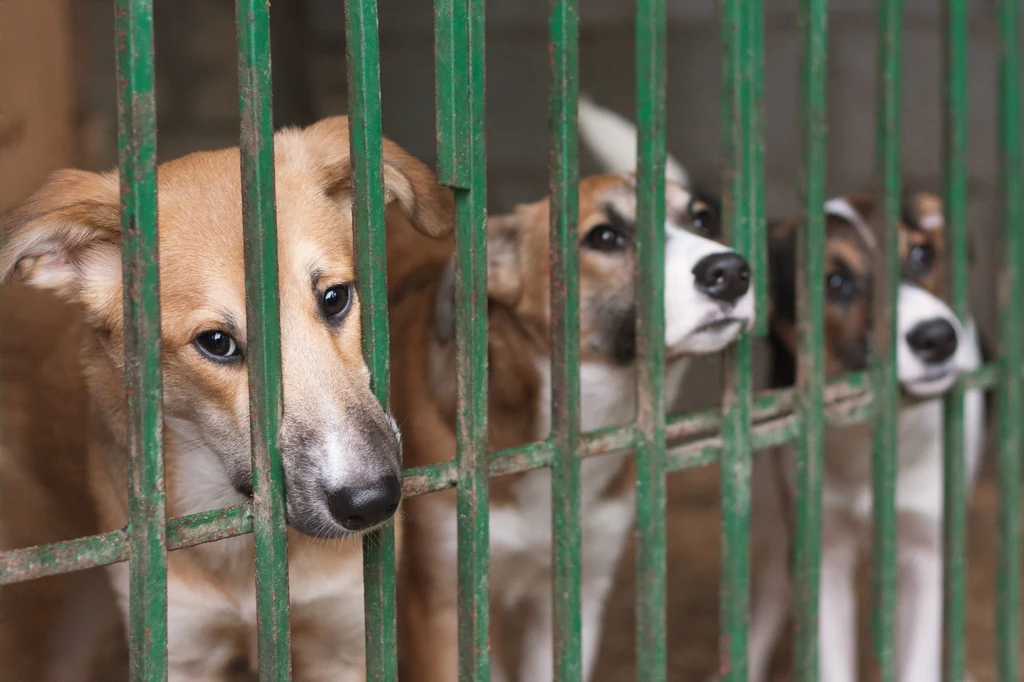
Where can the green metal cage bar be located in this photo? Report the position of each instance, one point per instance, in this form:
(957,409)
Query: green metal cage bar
(650,321)
(563,95)
(955,113)
(366,147)
(742,186)
(147,513)
(884,433)
(759,224)
(459,49)
(262,311)
(810,314)
(1010,391)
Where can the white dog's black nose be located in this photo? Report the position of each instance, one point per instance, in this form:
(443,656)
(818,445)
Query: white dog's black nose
(722,276)
(359,508)
(933,341)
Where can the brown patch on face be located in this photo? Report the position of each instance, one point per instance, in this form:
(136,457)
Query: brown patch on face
(923,243)
(848,267)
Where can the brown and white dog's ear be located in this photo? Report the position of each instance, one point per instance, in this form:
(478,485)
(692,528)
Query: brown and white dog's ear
(408,181)
(504,259)
(66,238)
(924,211)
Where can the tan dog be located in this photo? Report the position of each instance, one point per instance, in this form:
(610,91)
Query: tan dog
(708,303)
(341,451)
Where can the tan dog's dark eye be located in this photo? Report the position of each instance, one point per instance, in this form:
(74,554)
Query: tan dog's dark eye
(922,258)
(336,301)
(218,346)
(604,238)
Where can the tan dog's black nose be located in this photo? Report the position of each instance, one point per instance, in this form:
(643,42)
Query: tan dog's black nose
(933,341)
(357,508)
(722,276)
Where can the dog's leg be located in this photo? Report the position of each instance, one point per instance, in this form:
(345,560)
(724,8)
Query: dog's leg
(86,615)
(594,597)
(837,614)
(771,581)
(919,618)
(538,645)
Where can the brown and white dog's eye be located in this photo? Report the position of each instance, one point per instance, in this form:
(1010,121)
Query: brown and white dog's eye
(703,219)
(336,301)
(921,258)
(840,287)
(604,237)
(218,346)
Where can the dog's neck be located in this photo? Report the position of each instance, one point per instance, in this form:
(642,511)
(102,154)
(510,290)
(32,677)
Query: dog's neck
(520,387)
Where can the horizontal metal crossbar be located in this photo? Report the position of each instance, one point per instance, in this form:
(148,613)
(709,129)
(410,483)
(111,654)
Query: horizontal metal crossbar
(848,401)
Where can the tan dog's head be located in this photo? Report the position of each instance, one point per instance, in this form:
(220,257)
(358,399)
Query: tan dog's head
(929,333)
(708,301)
(342,457)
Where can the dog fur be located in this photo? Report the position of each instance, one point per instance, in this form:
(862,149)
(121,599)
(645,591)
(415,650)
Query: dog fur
(851,257)
(64,458)
(519,382)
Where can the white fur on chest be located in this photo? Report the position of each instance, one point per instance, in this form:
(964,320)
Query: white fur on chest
(919,477)
(521,533)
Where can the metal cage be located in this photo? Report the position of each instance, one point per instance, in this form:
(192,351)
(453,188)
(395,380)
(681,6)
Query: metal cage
(729,436)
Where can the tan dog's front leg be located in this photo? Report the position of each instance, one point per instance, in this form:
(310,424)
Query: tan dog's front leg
(429,633)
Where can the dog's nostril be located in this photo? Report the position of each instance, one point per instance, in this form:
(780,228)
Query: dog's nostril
(722,276)
(360,507)
(933,341)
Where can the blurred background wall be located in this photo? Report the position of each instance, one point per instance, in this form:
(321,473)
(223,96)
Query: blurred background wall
(59,91)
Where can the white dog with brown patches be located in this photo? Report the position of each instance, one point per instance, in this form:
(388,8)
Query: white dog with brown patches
(64,421)
(708,303)
(933,347)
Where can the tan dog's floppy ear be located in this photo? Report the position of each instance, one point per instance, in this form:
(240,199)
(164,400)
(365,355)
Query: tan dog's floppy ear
(504,259)
(429,206)
(66,237)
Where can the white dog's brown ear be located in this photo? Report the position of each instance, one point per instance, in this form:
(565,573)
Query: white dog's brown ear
(504,259)
(429,206)
(66,237)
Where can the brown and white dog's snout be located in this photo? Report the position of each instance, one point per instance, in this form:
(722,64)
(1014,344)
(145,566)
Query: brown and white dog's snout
(927,358)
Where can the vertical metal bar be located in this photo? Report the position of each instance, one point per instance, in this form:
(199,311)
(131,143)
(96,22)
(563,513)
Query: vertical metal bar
(759,224)
(650,288)
(563,96)
(459,36)
(740,196)
(366,143)
(263,336)
(885,443)
(1011,303)
(811,320)
(955,112)
(147,514)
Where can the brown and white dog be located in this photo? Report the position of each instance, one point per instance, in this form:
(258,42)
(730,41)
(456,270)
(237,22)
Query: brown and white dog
(64,421)
(933,347)
(708,303)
